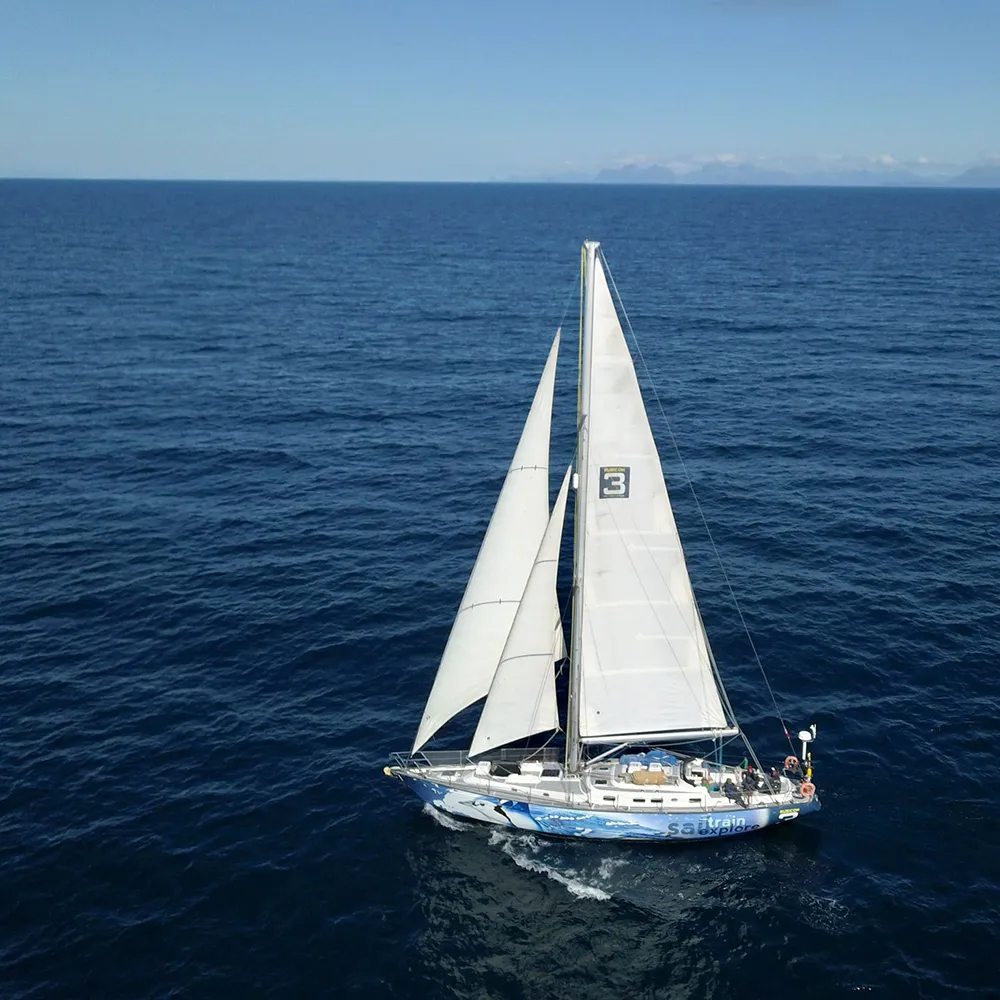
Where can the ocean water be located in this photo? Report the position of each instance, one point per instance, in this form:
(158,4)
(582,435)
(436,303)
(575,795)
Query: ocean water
(250,436)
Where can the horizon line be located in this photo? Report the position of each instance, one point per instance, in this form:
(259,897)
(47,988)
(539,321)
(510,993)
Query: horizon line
(679,181)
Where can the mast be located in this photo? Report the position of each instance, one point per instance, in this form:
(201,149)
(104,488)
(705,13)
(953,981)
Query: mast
(580,516)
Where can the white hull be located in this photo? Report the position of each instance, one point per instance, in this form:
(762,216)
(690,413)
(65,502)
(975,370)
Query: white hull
(608,800)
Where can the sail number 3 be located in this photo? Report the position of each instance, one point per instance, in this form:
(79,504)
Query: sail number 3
(614,482)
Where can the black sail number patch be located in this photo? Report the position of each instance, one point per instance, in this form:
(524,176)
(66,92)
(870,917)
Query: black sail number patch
(614,482)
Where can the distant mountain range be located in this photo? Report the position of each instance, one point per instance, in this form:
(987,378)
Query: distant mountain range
(986,176)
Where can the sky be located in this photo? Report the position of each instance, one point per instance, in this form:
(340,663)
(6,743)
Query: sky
(474,90)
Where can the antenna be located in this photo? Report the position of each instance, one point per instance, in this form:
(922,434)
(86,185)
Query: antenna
(807,736)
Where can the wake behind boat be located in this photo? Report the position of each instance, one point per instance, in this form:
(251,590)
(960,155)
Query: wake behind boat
(649,732)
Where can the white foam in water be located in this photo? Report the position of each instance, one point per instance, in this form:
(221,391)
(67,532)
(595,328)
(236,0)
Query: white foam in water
(443,819)
(609,866)
(523,849)
(824,912)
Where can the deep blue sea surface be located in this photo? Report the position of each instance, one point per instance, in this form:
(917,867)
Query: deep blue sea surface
(250,436)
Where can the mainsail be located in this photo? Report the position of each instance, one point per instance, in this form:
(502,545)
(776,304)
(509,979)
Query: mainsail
(645,669)
(498,578)
(522,698)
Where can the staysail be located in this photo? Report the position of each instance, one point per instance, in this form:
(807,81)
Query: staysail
(522,698)
(498,578)
(644,660)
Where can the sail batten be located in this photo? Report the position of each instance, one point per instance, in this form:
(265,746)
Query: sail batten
(496,584)
(522,697)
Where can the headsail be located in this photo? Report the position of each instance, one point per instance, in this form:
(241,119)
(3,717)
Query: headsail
(501,571)
(522,698)
(645,666)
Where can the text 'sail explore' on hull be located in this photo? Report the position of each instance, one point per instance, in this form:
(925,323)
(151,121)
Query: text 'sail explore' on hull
(605,825)
(652,749)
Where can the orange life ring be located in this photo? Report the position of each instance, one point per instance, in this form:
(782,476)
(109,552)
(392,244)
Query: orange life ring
(791,763)
(808,789)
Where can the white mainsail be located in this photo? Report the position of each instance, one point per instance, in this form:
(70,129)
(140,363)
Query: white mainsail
(522,698)
(645,666)
(498,578)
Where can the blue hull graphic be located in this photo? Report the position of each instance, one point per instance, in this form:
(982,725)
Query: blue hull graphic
(565,821)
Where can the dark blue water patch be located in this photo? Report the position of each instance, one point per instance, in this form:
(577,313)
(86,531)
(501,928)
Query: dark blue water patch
(250,437)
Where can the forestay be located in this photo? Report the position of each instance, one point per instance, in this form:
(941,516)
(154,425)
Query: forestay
(501,571)
(645,662)
(522,698)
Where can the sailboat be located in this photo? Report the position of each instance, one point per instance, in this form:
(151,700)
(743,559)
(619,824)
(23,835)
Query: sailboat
(649,735)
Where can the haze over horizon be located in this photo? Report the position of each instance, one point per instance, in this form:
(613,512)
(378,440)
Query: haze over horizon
(452,91)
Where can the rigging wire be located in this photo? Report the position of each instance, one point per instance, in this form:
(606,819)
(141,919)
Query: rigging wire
(701,512)
(577,283)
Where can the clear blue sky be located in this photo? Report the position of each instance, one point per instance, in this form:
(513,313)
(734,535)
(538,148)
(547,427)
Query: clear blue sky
(468,89)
